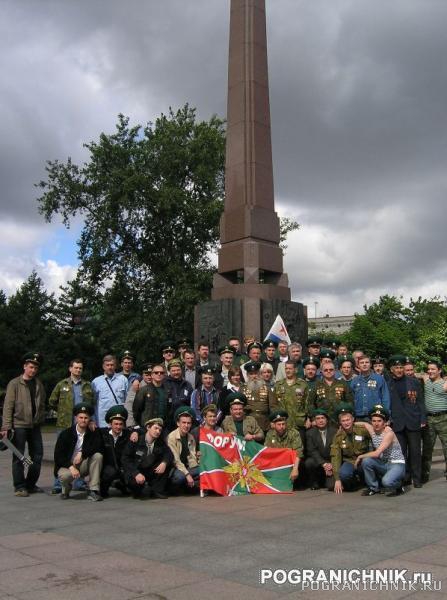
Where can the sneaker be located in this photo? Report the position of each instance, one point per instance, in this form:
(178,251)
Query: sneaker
(21,493)
(369,492)
(94,496)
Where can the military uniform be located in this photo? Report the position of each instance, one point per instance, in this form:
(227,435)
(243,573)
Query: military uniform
(249,425)
(294,399)
(345,449)
(62,400)
(259,404)
(290,439)
(329,396)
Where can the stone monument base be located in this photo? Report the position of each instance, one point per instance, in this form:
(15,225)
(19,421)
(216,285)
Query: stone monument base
(217,320)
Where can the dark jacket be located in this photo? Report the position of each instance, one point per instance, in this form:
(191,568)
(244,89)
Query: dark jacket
(145,404)
(407,409)
(136,459)
(66,443)
(314,444)
(180,395)
(112,453)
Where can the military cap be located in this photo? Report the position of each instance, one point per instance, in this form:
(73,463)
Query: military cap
(269,344)
(397,360)
(127,354)
(207,370)
(184,411)
(226,348)
(83,407)
(252,366)
(167,346)
(327,353)
(33,357)
(379,411)
(116,412)
(175,362)
(435,361)
(184,343)
(278,415)
(311,360)
(378,360)
(332,342)
(254,345)
(154,421)
(236,398)
(209,408)
(317,412)
(346,358)
(147,367)
(344,408)
(313,340)
(409,360)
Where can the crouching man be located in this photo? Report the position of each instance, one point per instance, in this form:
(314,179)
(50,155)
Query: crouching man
(281,436)
(146,462)
(78,454)
(385,465)
(183,447)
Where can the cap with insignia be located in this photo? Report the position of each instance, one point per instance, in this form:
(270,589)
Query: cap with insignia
(332,342)
(32,357)
(313,340)
(127,354)
(175,362)
(379,411)
(397,360)
(209,408)
(344,408)
(327,353)
(146,367)
(183,411)
(319,412)
(168,346)
(236,398)
(252,366)
(311,360)
(154,421)
(83,407)
(278,415)
(409,360)
(345,358)
(226,348)
(184,343)
(254,345)
(378,360)
(116,412)
(207,370)
(269,344)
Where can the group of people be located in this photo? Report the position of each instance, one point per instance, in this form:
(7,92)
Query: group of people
(352,419)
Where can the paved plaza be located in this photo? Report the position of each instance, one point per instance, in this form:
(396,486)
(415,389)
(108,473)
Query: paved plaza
(192,548)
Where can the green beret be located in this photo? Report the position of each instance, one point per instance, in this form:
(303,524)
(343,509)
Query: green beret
(311,360)
(316,412)
(226,348)
(397,359)
(254,345)
(33,357)
(168,345)
(252,366)
(269,344)
(154,421)
(237,398)
(278,415)
(209,408)
(379,411)
(83,407)
(184,411)
(116,412)
(314,340)
(127,354)
(175,362)
(344,408)
(378,360)
(327,353)
(346,358)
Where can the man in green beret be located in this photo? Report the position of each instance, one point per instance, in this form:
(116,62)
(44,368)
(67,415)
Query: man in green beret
(329,392)
(114,439)
(280,436)
(146,462)
(183,447)
(23,414)
(238,423)
(78,454)
(319,439)
(260,398)
(349,442)
(292,395)
(384,466)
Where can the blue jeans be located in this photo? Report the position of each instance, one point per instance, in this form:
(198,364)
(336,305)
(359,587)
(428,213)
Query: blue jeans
(178,479)
(32,437)
(376,471)
(350,475)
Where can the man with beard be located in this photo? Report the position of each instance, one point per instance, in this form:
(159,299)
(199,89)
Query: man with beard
(294,353)
(292,395)
(240,424)
(260,398)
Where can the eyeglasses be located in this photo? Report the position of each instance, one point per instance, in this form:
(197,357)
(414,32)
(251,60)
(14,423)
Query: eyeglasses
(158,372)
(328,370)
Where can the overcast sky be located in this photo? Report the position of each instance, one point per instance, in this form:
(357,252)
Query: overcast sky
(358,93)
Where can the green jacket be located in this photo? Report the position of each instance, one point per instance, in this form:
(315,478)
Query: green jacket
(294,399)
(62,400)
(17,408)
(290,439)
(346,447)
(328,396)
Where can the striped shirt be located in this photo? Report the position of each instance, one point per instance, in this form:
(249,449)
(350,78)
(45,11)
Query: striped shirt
(435,396)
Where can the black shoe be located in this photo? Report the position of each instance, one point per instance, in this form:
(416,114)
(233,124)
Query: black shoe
(315,487)
(396,492)
(159,495)
(369,492)
(36,490)
(65,496)
(417,485)
(55,491)
(94,496)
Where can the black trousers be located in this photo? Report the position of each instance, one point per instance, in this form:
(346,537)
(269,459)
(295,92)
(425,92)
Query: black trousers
(317,475)
(410,442)
(154,481)
(33,438)
(109,474)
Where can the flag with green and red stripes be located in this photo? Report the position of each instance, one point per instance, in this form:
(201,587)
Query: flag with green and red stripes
(232,466)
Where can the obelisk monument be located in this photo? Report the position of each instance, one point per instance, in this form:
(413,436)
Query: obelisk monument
(250,288)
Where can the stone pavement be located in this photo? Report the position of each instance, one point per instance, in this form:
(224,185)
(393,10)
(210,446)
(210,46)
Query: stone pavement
(190,548)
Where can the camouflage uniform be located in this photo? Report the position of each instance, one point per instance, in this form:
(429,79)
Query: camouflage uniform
(294,399)
(328,396)
(259,404)
(62,400)
(290,439)
(346,447)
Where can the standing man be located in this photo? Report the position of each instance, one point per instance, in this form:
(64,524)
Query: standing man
(23,413)
(168,352)
(329,392)
(346,366)
(179,391)
(205,394)
(109,389)
(310,368)
(269,354)
(254,354)
(127,365)
(203,359)
(313,345)
(152,400)
(435,396)
(190,373)
(226,354)
(318,451)
(369,389)
(260,398)
(292,395)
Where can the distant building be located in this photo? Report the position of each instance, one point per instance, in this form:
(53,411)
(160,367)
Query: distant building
(327,323)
